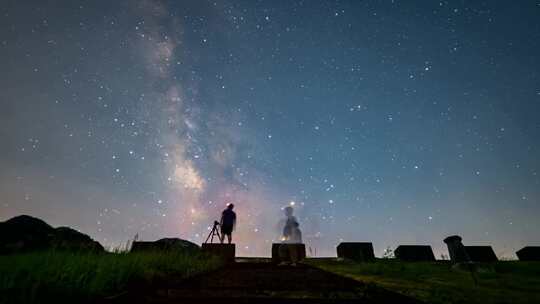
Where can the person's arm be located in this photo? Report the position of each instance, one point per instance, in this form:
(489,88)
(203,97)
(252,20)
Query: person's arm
(234,222)
(221,220)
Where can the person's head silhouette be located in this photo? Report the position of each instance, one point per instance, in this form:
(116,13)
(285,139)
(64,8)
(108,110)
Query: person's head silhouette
(230,206)
(289,211)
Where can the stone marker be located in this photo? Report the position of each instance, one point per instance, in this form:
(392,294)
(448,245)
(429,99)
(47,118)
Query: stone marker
(281,252)
(414,253)
(356,251)
(529,253)
(225,251)
(457,251)
(481,254)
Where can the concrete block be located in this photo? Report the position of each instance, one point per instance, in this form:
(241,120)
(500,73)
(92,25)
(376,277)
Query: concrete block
(457,251)
(225,251)
(481,253)
(282,252)
(529,253)
(414,253)
(362,252)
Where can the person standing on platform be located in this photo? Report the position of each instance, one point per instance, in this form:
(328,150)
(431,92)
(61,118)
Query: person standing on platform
(227,223)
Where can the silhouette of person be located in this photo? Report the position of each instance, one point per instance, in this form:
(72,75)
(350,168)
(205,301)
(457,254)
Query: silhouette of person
(290,224)
(296,234)
(291,235)
(227,223)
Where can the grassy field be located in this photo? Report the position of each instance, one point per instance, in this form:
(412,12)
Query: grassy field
(438,282)
(60,277)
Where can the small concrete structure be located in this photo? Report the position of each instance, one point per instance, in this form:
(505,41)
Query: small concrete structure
(414,253)
(481,254)
(529,253)
(362,252)
(282,252)
(457,251)
(226,251)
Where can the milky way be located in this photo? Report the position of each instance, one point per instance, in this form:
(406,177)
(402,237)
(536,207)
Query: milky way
(385,121)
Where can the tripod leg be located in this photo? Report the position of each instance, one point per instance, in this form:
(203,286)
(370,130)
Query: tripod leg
(211,235)
(206,241)
(215,232)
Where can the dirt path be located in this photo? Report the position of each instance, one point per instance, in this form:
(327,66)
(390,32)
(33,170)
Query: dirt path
(263,282)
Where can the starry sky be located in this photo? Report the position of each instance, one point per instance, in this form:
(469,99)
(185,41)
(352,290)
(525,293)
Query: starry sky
(395,122)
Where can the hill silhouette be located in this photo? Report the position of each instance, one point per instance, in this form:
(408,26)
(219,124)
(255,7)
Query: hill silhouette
(25,233)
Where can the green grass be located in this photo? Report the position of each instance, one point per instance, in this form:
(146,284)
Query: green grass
(75,277)
(438,282)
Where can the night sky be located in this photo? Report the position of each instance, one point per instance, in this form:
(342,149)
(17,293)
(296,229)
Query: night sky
(396,122)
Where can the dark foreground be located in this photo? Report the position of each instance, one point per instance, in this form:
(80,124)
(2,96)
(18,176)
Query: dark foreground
(512,282)
(175,277)
(259,281)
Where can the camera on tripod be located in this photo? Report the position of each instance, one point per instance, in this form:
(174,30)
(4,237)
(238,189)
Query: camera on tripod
(214,232)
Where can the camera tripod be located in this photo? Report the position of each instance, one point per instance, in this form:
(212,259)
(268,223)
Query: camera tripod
(214,232)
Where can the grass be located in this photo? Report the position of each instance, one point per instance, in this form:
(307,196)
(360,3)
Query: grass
(439,282)
(50,276)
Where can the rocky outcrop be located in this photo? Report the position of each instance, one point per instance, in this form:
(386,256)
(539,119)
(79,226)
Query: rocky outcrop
(66,238)
(167,244)
(25,233)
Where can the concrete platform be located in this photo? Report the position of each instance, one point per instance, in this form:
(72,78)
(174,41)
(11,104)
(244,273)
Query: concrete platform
(255,282)
(282,252)
(225,251)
